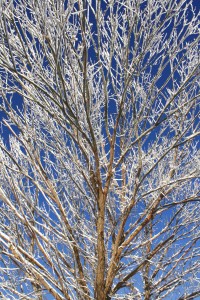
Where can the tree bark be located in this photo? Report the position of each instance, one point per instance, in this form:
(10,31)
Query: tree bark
(100,272)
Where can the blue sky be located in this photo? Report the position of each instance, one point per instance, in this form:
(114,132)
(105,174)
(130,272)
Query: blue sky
(17,104)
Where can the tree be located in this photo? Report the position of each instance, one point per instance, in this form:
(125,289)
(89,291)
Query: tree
(99,150)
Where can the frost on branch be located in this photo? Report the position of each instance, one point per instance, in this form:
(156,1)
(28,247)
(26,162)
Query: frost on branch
(99,153)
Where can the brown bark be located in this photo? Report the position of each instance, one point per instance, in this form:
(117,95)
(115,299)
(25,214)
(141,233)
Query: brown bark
(147,283)
(100,273)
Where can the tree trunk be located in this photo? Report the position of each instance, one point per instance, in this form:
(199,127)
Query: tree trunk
(100,273)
